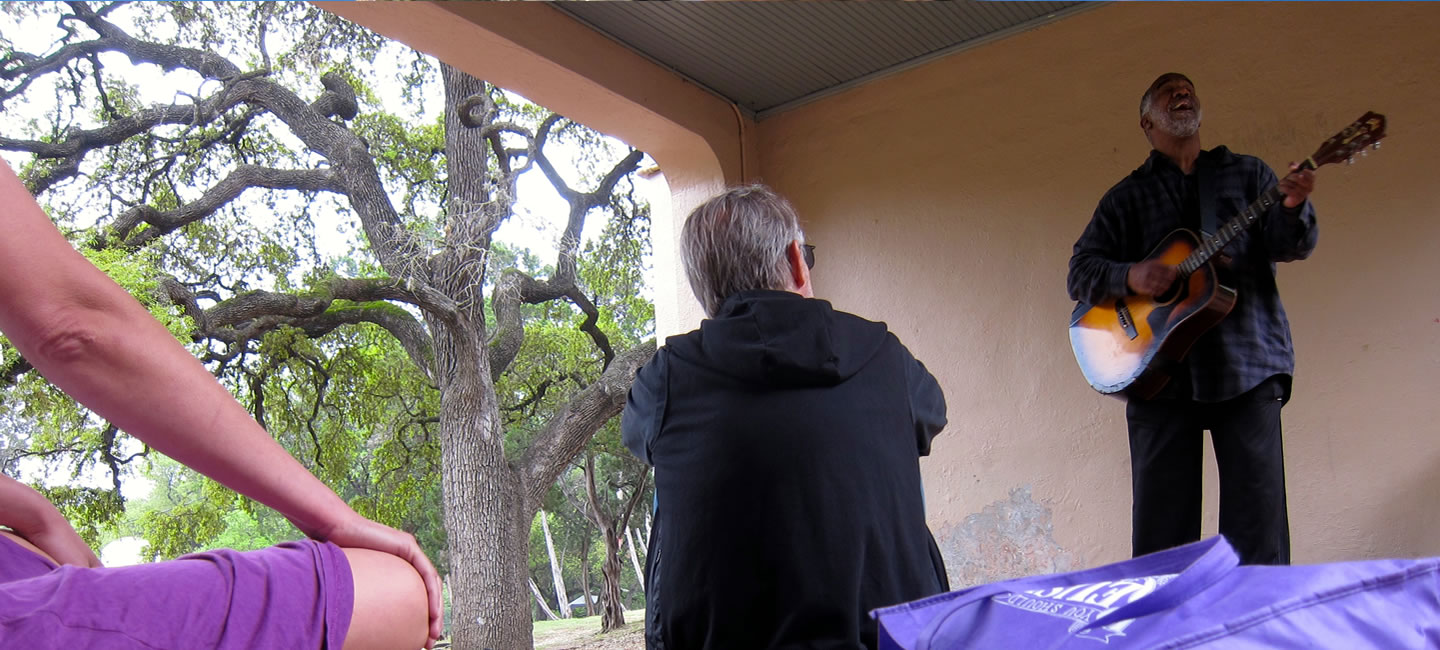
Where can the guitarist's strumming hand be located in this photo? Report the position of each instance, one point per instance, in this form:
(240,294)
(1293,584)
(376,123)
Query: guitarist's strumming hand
(1151,277)
(1297,185)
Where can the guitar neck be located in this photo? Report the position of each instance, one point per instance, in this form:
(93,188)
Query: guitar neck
(1214,242)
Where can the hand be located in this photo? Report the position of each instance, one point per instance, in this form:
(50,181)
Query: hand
(359,532)
(1297,185)
(63,545)
(1151,277)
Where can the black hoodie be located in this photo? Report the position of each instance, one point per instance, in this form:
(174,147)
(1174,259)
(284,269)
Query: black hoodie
(786,439)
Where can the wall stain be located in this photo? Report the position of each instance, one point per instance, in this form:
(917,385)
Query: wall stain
(1007,539)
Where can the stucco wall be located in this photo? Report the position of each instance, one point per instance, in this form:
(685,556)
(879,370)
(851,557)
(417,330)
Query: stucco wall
(945,200)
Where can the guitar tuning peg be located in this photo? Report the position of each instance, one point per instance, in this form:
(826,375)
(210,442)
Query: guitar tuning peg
(1350,160)
(1364,153)
(1376,145)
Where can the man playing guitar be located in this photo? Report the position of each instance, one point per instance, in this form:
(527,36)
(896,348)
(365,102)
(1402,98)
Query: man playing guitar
(1237,375)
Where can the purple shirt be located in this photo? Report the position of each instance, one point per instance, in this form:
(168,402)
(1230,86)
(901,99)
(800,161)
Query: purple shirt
(295,595)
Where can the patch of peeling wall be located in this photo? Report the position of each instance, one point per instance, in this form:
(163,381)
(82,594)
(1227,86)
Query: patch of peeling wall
(1008,538)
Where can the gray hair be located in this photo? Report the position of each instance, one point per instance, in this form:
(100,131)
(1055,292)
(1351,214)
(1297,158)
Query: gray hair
(736,242)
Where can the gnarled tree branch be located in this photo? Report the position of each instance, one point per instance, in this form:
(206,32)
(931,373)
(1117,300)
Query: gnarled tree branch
(516,288)
(217,196)
(566,433)
(338,100)
(250,315)
(539,392)
(352,170)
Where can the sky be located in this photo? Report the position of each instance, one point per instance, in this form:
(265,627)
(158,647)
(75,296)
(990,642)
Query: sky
(536,225)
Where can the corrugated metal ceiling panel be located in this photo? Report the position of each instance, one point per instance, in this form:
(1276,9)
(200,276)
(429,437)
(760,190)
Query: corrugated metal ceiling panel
(768,56)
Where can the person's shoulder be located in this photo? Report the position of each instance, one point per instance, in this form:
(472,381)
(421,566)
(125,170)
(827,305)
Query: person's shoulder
(877,332)
(1125,186)
(1127,189)
(682,343)
(847,319)
(849,324)
(1242,166)
(1135,180)
(1224,157)
(680,339)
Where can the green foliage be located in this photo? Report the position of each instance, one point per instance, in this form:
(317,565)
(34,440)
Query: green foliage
(88,509)
(183,513)
(246,530)
(613,266)
(412,162)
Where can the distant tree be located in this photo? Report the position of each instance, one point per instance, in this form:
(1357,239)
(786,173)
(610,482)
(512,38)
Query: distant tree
(610,509)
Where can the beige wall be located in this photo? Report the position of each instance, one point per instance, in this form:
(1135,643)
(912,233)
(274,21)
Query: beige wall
(945,200)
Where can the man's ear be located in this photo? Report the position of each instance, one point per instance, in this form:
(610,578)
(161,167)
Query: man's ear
(799,272)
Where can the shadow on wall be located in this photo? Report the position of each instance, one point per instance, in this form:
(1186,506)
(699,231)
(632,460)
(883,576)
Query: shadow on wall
(1008,539)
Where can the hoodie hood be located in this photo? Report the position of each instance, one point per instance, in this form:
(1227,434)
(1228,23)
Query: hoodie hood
(779,338)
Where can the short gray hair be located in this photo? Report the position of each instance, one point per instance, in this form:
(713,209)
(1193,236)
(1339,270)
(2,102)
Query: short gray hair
(736,242)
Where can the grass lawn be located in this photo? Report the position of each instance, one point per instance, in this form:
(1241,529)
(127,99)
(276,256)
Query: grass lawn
(585,633)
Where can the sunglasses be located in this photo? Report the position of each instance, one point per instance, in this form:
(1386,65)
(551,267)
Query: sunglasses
(808,252)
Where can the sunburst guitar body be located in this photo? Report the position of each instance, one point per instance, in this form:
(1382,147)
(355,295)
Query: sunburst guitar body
(1129,345)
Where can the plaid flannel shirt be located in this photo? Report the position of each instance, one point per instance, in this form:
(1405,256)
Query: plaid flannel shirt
(1252,343)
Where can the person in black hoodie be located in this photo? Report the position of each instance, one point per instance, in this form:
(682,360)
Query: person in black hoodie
(786,438)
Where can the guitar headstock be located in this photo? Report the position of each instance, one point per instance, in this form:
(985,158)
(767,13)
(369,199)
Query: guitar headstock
(1364,132)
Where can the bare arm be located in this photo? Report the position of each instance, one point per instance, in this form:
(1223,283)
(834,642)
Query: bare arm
(38,522)
(93,340)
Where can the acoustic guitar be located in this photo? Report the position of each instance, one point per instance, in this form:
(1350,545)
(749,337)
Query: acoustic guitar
(1125,347)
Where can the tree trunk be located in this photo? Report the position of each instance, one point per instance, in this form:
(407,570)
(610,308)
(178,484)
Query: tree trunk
(560,596)
(634,559)
(490,503)
(642,540)
(585,570)
(485,517)
(540,600)
(612,614)
(487,546)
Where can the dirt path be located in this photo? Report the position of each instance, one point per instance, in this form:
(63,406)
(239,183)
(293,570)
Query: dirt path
(588,637)
(631,638)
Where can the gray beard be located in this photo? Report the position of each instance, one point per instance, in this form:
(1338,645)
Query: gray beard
(1179,128)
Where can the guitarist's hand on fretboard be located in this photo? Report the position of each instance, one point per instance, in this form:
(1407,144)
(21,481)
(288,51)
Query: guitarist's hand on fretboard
(1151,277)
(1297,185)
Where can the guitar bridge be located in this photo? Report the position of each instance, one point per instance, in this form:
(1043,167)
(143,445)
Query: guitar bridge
(1127,322)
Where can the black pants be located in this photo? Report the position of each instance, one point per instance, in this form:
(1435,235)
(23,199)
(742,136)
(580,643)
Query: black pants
(1166,451)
